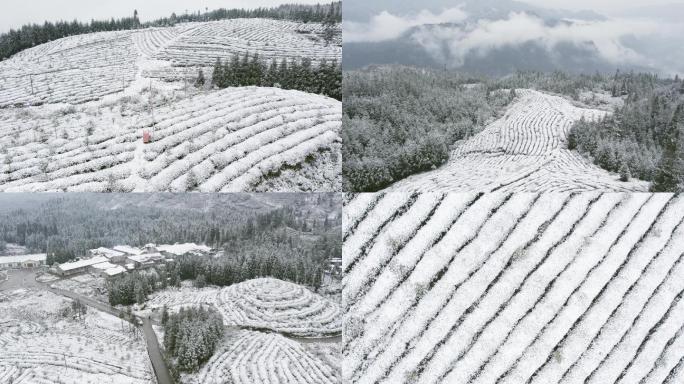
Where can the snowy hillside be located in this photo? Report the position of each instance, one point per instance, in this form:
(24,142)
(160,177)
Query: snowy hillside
(465,288)
(42,343)
(243,362)
(267,303)
(526,150)
(86,67)
(74,112)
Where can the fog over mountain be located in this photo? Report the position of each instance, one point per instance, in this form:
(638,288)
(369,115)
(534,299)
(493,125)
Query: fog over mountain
(502,36)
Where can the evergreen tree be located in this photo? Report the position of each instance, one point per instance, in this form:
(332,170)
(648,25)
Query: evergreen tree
(217,76)
(200,79)
(625,174)
(670,171)
(164,315)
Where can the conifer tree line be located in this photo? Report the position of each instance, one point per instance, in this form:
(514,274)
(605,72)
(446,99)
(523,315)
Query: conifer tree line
(644,138)
(68,226)
(30,35)
(249,70)
(191,336)
(399,121)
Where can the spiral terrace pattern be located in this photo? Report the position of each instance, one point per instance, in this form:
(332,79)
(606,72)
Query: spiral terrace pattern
(526,150)
(266,303)
(256,357)
(521,288)
(230,140)
(39,346)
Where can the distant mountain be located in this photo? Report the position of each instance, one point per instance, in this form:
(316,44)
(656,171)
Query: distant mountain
(570,55)
(530,56)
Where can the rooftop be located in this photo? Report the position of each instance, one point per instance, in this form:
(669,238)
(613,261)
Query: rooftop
(108,253)
(146,257)
(22,258)
(128,249)
(82,263)
(104,266)
(116,270)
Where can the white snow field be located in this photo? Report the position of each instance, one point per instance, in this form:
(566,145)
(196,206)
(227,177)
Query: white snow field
(526,150)
(514,288)
(263,304)
(256,357)
(39,345)
(73,113)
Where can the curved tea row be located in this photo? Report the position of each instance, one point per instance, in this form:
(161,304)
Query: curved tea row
(230,140)
(255,357)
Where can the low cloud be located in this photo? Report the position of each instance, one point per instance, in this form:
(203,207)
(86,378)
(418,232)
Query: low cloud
(386,26)
(453,44)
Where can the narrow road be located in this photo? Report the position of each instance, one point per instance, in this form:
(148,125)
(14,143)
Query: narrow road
(160,369)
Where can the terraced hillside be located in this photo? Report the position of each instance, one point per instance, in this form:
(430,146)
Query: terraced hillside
(264,304)
(514,288)
(41,343)
(526,150)
(86,67)
(255,357)
(74,112)
(230,139)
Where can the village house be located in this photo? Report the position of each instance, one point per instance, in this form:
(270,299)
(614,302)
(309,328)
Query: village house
(146,260)
(112,255)
(80,266)
(107,269)
(22,261)
(128,250)
(150,248)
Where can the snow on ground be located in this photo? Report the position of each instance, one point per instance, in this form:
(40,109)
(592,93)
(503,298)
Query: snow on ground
(39,345)
(88,67)
(230,140)
(550,288)
(265,303)
(526,150)
(14,249)
(74,110)
(87,284)
(255,357)
(181,249)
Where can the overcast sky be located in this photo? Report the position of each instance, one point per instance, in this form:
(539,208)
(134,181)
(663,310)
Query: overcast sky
(19,12)
(601,6)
